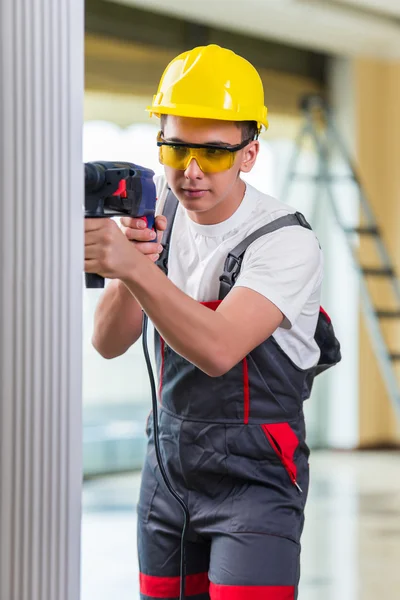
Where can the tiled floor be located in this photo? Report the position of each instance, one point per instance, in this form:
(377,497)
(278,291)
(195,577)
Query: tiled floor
(351,542)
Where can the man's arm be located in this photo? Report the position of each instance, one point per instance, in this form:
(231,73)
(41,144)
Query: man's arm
(118,316)
(117,321)
(213,341)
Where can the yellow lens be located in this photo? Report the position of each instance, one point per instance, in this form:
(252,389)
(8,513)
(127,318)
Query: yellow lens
(214,160)
(210,160)
(174,156)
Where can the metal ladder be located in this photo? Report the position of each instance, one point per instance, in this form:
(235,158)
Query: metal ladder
(319,128)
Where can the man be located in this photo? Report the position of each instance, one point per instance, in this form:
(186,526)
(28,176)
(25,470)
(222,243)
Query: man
(232,373)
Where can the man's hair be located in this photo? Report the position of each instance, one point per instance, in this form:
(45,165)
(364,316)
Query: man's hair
(250,130)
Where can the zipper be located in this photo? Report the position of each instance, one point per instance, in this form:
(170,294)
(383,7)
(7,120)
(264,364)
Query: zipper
(297,485)
(290,473)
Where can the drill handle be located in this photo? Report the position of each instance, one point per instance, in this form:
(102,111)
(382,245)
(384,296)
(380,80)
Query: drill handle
(94,281)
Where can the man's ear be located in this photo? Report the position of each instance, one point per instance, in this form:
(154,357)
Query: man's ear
(250,154)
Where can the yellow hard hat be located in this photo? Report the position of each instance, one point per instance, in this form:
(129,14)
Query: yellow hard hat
(210,82)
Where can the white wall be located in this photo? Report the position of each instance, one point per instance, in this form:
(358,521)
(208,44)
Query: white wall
(342,418)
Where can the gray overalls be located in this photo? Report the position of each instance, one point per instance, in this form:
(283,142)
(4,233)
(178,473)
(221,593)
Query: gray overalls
(234,448)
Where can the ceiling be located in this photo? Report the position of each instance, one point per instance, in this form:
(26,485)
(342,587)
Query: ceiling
(345,27)
(384,7)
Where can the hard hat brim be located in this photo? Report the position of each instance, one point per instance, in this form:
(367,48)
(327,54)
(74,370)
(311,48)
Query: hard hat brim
(202,112)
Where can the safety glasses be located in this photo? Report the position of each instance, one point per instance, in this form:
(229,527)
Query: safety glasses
(210,158)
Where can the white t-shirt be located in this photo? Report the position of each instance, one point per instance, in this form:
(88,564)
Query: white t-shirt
(285,266)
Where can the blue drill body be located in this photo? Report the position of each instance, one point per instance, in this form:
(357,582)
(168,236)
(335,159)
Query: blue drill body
(118,189)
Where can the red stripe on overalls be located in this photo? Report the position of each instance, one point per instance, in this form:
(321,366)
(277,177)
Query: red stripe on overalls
(213,305)
(169,587)
(251,592)
(161,368)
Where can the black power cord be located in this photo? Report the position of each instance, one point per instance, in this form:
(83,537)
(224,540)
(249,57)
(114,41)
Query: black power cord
(159,457)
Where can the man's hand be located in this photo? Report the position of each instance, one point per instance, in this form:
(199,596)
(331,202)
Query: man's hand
(108,249)
(108,252)
(136,231)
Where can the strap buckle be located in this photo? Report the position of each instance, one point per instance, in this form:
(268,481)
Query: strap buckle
(230,273)
(302,220)
(232,267)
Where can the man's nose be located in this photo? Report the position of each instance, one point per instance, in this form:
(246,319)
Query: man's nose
(193,170)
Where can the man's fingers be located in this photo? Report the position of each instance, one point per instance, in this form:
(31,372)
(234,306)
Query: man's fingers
(91,238)
(133,223)
(134,231)
(149,248)
(145,235)
(91,252)
(93,224)
(90,266)
(159,236)
(161,223)
(140,224)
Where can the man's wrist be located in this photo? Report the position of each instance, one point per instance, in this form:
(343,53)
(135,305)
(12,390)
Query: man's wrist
(136,266)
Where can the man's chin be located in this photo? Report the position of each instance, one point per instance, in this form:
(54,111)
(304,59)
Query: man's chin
(193,203)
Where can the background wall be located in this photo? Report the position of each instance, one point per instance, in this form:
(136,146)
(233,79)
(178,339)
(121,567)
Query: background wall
(378,154)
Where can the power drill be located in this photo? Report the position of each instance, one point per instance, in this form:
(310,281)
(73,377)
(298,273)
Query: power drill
(118,189)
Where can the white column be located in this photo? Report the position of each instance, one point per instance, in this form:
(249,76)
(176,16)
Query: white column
(41,248)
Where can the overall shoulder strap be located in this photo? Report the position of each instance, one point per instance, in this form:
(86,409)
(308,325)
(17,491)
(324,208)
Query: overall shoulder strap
(234,259)
(169,211)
